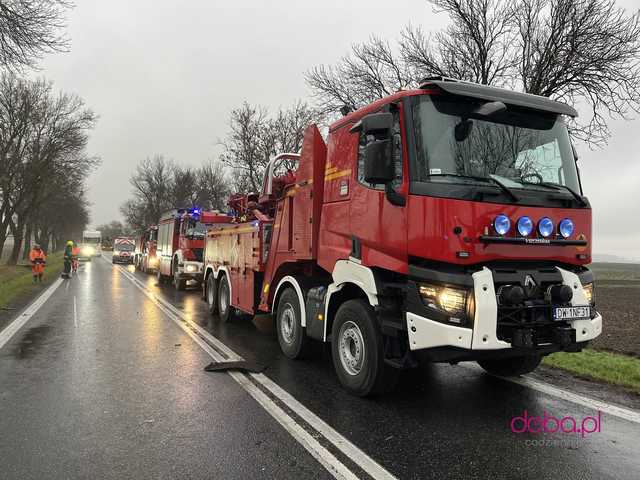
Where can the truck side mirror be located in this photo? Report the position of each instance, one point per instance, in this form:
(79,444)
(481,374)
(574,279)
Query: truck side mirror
(378,167)
(378,124)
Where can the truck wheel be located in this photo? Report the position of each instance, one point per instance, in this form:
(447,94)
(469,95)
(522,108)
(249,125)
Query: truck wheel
(511,367)
(292,337)
(211,295)
(356,348)
(225,310)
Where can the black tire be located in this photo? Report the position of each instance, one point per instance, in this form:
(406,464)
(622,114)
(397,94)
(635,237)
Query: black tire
(367,374)
(511,367)
(292,336)
(211,295)
(225,310)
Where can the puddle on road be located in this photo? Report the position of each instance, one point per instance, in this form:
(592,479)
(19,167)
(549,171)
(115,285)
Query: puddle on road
(32,340)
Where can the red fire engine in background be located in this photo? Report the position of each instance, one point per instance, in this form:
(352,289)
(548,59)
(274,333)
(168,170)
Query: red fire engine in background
(180,244)
(146,244)
(444,224)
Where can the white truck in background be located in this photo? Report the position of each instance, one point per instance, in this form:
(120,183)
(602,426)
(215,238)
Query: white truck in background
(91,245)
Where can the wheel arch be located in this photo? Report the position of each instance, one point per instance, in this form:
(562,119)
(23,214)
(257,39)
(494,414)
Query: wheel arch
(291,281)
(336,296)
(350,281)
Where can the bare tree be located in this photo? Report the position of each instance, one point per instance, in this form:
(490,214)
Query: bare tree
(212,186)
(581,51)
(255,137)
(43,140)
(29,29)
(585,52)
(183,191)
(243,147)
(152,184)
(372,71)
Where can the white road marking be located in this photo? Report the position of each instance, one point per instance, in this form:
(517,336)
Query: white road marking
(334,466)
(66,287)
(365,462)
(552,390)
(344,445)
(75,312)
(28,312)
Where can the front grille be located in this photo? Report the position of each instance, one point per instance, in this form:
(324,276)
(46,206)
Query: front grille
(530,321)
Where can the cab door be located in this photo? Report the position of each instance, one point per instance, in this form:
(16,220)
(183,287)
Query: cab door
(379,228)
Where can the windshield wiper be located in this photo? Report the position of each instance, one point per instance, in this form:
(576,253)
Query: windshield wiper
(558,186)
(500,185)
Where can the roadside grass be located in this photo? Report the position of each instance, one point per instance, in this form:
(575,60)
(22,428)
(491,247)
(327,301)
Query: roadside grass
(602,366)
(16,281)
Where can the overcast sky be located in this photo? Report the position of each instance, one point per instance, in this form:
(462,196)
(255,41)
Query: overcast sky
(164,77)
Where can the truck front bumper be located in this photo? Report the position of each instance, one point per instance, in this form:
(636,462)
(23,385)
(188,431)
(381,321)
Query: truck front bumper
(484,335)
(189,270)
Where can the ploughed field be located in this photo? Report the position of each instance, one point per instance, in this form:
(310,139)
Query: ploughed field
(618,299)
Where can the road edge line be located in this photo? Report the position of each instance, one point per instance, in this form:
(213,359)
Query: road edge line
(567,395)
(354,453)
(17,323)
(334,466)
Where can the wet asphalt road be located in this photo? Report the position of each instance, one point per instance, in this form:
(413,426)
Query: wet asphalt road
(118,391)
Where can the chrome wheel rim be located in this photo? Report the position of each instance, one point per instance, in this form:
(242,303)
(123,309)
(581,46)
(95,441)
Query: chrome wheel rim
(351,348)
(287,324)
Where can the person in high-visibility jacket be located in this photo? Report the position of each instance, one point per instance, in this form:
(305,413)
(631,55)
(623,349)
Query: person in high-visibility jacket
(68,258)
(38,260)
(75,252)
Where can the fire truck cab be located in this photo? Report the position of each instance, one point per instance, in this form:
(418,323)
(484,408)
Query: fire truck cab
(441,224)
(180,243)
(146,258)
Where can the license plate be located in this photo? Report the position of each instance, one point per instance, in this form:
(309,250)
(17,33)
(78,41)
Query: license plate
(571,313)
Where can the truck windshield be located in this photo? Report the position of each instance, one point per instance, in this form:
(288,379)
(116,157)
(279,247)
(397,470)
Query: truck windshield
(517,148)
(196,230)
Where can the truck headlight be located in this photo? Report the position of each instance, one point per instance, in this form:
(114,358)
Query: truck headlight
(452,301)
(191,268)
(589,293)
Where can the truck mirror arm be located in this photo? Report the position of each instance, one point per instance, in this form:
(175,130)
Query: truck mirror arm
(394,197)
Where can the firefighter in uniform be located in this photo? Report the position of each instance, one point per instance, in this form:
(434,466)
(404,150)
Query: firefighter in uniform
(38,260)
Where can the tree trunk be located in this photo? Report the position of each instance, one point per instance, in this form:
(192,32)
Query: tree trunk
(18,235)
(27,242)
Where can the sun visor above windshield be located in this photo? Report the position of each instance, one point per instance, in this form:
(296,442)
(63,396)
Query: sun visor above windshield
(486,92)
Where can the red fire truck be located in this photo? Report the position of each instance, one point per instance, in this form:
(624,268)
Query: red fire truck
(441,224)
(146,259)
(180,243)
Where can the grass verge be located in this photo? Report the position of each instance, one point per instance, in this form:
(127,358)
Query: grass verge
(606,367)
(17,282)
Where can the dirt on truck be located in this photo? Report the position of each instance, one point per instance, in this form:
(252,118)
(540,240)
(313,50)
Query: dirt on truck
(441,224)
